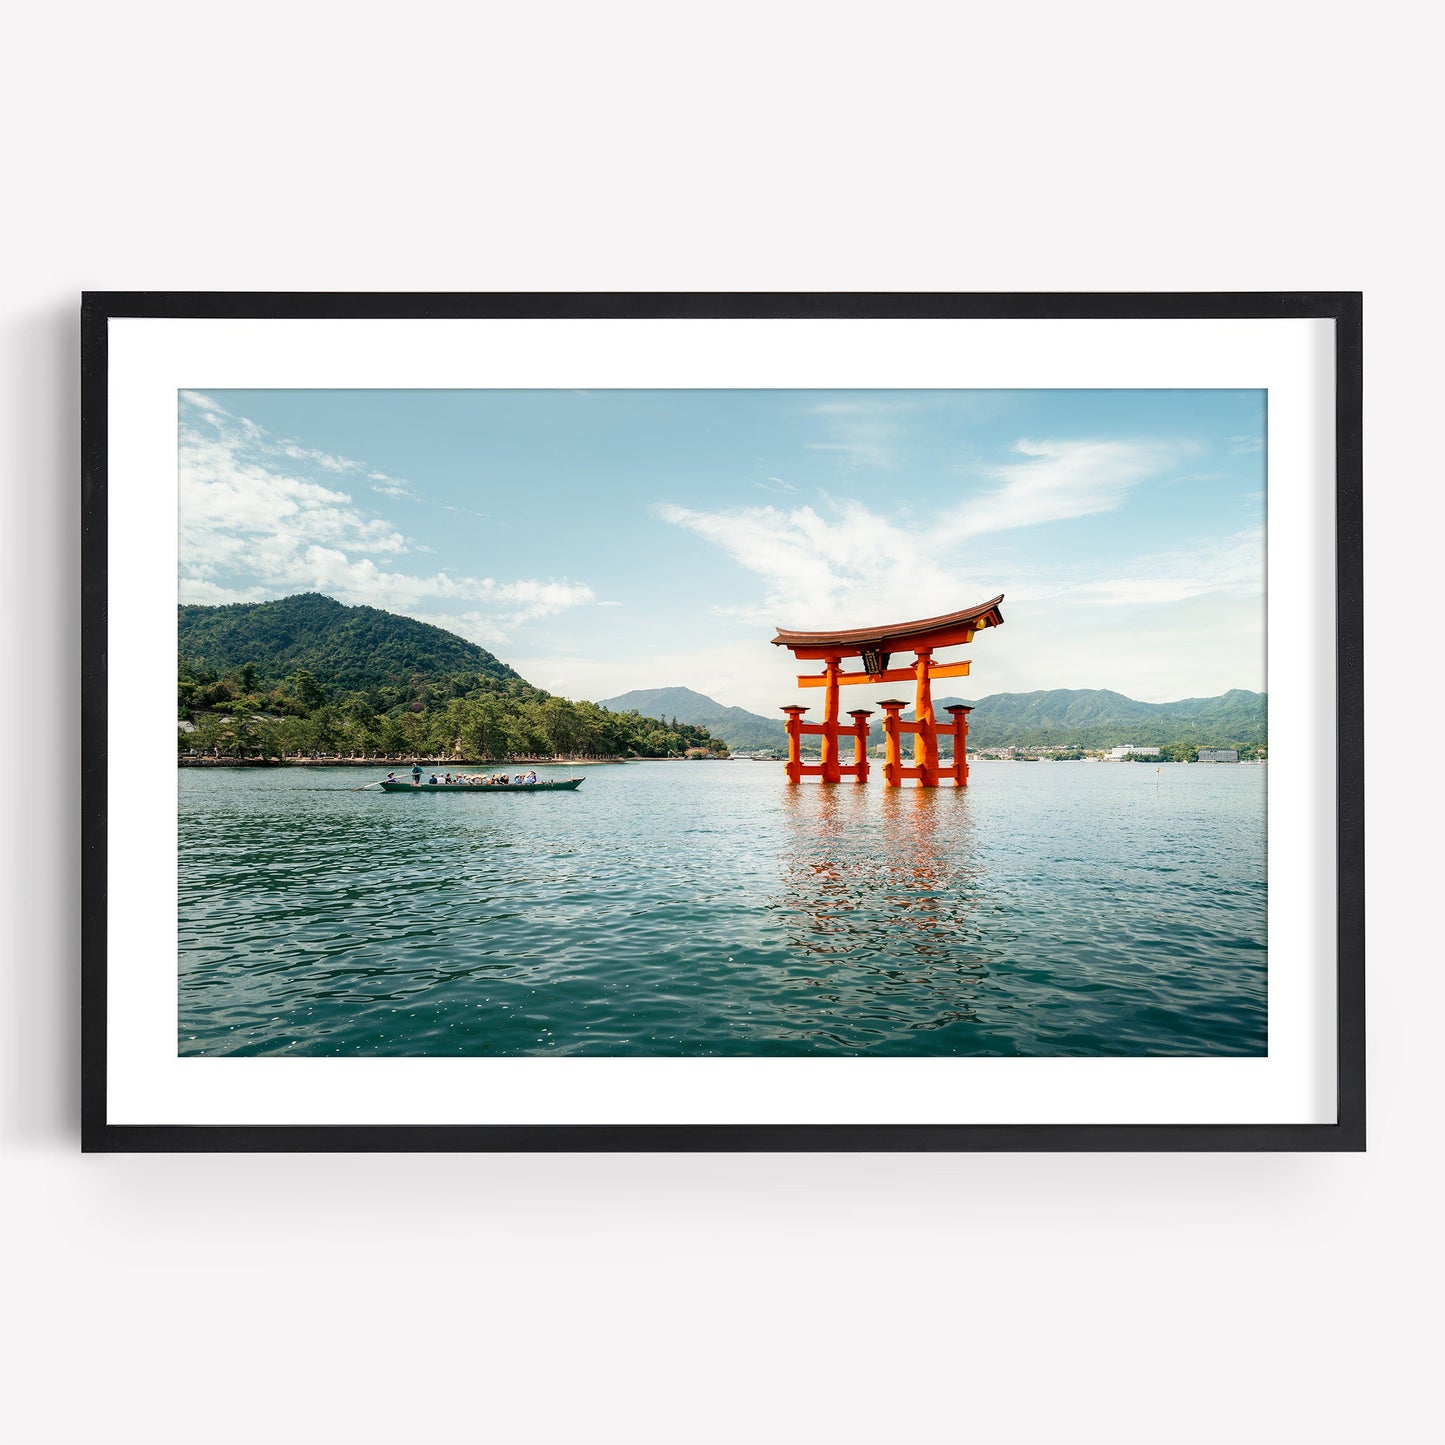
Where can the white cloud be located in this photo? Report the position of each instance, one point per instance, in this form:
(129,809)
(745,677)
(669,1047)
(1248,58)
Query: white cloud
(1158,627)
(1234,566)
(250,529)
(863,406)
(854,562)
(847,564)
(863,433)
(323,459)
(226,499)
(1156,651)
(390,486)
(1059,481)
(206,403)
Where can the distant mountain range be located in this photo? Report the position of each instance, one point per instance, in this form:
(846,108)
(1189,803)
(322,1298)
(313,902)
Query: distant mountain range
(1088,717)
(741,730)
(1097,718)
(350,648)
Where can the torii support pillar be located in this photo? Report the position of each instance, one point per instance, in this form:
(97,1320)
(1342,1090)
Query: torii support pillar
(959,713)
(925,734)
(795,743)
(860,718)
(893,729)
(829,769)
(829,731)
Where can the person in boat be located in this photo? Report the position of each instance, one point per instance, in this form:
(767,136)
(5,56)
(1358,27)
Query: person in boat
(391,777)
(447,779)
(532,776)
(415,774)
(431,781)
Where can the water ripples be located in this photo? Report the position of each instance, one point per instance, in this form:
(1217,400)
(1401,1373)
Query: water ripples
(708,909)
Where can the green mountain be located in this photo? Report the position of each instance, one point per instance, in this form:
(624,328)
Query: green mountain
(1087,717)
(348,648)
(741,730)
(308,676)
(1098,718)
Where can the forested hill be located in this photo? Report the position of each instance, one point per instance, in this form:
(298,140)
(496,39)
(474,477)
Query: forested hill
(310,676)
(1098,718)
(740,729)
(350,648)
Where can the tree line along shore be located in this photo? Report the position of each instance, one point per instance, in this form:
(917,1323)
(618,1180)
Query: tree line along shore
(239,716)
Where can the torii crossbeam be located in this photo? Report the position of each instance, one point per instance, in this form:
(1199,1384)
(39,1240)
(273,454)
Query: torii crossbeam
(876,646)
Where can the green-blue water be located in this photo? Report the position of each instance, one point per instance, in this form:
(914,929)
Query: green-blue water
(708,908)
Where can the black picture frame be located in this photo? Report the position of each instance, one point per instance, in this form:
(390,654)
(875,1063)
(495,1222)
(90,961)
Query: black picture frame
(1343,308)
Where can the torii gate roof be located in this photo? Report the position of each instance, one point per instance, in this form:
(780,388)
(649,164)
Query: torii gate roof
(949,629)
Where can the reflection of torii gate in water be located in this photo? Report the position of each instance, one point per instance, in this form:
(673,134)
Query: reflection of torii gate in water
(876,645)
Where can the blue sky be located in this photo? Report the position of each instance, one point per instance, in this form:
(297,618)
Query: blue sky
(610,540)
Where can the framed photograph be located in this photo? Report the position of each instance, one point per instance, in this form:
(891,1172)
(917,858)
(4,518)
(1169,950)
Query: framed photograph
(722,722)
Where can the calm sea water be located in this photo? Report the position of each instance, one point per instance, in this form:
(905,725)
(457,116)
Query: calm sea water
(707,908)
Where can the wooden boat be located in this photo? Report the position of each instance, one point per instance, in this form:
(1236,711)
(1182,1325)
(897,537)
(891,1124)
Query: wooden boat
(561,785)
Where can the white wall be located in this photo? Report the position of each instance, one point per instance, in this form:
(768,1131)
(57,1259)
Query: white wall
(830,1299)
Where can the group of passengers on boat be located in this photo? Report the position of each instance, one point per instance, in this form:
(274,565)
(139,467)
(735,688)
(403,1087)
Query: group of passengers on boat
(470,780)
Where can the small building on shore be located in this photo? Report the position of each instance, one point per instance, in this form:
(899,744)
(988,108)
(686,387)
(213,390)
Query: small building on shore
(1218,755)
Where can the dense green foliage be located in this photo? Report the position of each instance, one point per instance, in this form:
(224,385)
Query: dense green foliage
(382,685)
(1094,719)
(351,648)
(741,730)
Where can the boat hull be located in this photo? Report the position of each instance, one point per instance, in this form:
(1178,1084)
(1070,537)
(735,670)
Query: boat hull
(563,785)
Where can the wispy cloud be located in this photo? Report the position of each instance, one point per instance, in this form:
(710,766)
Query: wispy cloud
(322,459)
(256,520)
(1234,566)
(260,442)
(862,433)
(1060,480)
(850,561)
(390,486)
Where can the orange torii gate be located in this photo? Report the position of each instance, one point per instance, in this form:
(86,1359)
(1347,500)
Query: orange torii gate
(876,646)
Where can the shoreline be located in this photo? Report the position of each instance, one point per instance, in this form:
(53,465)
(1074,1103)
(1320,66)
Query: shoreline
(200,762)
